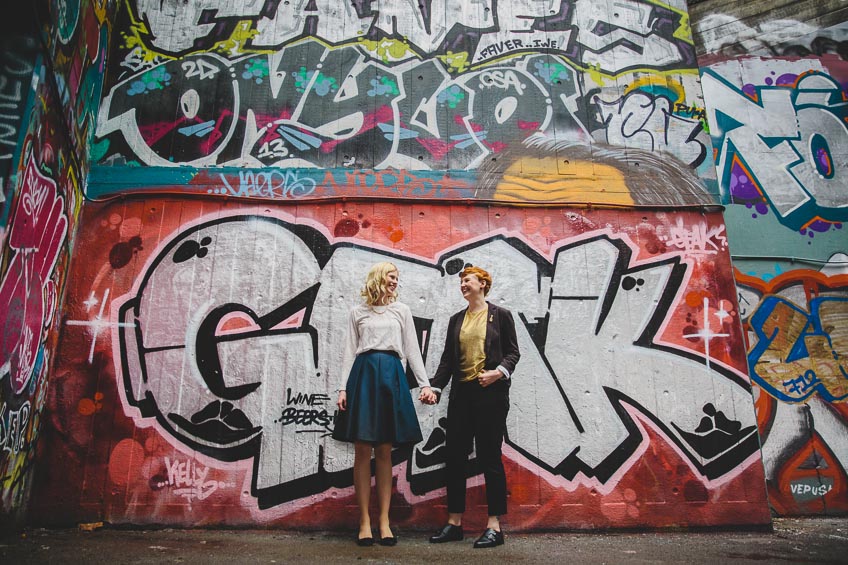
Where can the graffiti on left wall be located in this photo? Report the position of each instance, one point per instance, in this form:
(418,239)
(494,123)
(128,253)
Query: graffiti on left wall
(42,211)
(17,62)
(34,258)
(28,302)
(27,293)
(78,44)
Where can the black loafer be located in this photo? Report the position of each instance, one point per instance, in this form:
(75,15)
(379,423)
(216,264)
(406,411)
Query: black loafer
(364,542)
(490,538)
(448,533)
(389,541)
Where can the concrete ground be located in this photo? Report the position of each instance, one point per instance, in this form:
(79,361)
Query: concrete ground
(807,540)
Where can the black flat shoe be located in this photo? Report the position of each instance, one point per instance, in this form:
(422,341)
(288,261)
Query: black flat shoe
(490,538)
(448,533)
(389,541)
(364,542)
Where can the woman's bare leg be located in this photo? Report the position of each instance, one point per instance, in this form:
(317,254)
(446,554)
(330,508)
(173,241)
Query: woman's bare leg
(362,486)
(383,456)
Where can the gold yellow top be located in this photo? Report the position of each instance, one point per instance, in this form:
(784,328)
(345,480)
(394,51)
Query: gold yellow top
(472,344)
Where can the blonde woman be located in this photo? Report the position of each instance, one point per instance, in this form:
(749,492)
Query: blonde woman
(374,395)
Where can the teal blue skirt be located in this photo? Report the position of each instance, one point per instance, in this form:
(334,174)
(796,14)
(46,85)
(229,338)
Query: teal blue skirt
(379,405)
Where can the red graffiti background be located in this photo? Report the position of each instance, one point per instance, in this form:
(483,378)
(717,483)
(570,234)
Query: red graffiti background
(99,464)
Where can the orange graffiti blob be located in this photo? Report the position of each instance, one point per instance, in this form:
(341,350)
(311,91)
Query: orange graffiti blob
(88,406)
(126,456)
(696,298)
(396,235)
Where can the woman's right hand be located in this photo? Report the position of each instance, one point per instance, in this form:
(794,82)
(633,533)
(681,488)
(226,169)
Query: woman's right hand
(342,401)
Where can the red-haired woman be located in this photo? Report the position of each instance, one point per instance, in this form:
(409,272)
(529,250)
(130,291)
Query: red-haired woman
(481,351)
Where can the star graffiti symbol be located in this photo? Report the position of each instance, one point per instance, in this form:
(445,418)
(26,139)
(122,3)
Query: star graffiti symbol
(721,314)
(91,302)
(98,323)
(706,333)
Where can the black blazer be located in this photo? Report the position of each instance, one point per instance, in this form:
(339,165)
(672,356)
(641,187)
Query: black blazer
(501,346)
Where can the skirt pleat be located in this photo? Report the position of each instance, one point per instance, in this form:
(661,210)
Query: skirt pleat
(379,405)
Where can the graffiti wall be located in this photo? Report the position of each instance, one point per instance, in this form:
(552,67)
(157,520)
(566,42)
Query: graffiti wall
(53,89)
(418,86)
(18,54)
(776,96)
(251,160)
(44,204)
(201,345)
(76,37)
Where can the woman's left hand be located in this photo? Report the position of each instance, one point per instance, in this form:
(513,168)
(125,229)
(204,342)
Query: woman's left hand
(427,396)
(488,377)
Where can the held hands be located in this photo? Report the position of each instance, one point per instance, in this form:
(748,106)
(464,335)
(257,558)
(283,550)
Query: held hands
(427,395)
(342,401)
(488,377)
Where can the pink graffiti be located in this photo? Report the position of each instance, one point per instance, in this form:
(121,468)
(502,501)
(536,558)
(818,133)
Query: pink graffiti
(27,295)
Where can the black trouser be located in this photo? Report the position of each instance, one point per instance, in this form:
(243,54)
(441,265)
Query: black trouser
(479,414)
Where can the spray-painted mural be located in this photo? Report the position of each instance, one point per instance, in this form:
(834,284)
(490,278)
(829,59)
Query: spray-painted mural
(216,335)
(781,139)
(312,84)
(77,38)
(39,218)
(797,358)
(266,153)
(46,198)
(18,54)
(782,142)
(637,32)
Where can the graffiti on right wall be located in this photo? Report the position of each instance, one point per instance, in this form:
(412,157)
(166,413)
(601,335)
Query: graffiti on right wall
(778,125)
(797,359)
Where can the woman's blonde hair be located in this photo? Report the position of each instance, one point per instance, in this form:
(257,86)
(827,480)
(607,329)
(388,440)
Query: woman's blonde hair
(375,284)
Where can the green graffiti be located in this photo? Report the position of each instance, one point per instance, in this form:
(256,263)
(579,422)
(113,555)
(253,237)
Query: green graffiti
(322,85)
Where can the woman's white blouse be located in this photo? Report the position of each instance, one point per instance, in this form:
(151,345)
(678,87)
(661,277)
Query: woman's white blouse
(387,328)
